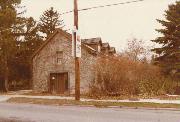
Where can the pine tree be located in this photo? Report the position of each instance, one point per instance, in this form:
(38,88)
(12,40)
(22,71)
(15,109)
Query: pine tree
(8,20)
(168,55)
(49,21)
(32,38)
(21,64)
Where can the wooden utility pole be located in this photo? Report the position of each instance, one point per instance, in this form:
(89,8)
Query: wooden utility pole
(77,59)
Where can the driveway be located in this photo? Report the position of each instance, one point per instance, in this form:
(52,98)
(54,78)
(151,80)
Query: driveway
(41,113)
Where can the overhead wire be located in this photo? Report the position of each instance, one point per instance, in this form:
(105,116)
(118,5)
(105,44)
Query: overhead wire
(102,6)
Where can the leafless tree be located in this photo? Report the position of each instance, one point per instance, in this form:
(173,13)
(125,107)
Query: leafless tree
(136,50)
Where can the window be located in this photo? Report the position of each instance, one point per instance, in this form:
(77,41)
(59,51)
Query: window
(59,58)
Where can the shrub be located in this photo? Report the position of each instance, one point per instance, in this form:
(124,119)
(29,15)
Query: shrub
(121,76)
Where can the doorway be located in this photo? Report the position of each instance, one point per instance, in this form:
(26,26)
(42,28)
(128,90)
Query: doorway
(59,83)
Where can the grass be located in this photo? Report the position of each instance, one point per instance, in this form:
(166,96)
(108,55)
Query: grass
(92,103)
(169,98)
(133,98)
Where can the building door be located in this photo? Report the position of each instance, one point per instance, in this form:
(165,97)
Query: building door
(58,83)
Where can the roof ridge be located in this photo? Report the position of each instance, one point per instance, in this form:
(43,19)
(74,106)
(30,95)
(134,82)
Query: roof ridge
(58,30)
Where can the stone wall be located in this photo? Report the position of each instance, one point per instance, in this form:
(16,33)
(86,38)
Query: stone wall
(45,62)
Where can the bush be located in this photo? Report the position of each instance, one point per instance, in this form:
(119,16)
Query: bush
(177,90)
(19,85)
(119,75)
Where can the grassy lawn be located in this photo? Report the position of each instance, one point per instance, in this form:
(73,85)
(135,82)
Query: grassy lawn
(134,98)
(169,98)
(93,103)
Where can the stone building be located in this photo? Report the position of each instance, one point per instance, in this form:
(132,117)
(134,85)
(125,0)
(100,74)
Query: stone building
(53,64)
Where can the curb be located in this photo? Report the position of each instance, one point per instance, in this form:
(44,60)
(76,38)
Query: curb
(123,107)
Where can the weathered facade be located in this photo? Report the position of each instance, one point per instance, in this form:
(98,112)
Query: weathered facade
(53,64)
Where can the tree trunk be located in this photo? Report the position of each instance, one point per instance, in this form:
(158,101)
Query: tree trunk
(6,75)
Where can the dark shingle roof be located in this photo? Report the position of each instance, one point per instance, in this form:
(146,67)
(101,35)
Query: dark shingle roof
(92,41)
(112,50)
(105,45)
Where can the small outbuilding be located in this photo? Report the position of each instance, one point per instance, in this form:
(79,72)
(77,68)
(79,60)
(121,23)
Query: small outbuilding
(53,64)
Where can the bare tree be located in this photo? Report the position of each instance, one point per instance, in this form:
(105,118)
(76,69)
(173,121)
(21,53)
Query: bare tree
(136,50)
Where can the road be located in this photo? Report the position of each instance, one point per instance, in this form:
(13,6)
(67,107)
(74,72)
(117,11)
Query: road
(42,113)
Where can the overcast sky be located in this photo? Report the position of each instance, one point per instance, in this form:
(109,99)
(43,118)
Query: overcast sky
(114,24)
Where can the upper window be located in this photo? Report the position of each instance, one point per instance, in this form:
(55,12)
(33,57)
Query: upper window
(59,55)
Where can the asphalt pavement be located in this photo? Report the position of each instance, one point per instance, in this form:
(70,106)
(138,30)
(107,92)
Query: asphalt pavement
(43,113)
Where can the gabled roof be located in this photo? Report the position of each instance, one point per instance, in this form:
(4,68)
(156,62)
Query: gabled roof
(92,41)
(112,50)
(50,38)
(66,34)
(105,45)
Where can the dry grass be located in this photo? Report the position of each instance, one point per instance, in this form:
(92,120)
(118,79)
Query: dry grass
(32,93)
(92,103)
(169,97)
(88,96)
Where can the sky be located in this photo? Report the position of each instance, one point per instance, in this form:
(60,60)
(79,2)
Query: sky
(116,24)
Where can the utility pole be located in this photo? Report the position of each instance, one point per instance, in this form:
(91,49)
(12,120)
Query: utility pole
(77,59)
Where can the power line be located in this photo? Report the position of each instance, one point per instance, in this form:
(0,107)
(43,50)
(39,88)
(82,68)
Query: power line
(102,6)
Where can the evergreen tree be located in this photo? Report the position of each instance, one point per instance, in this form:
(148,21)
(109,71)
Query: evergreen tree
(8,21)
(49,21)
(31,40)
(168,55)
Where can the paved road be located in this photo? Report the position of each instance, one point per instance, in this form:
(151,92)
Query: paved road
(40,113)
